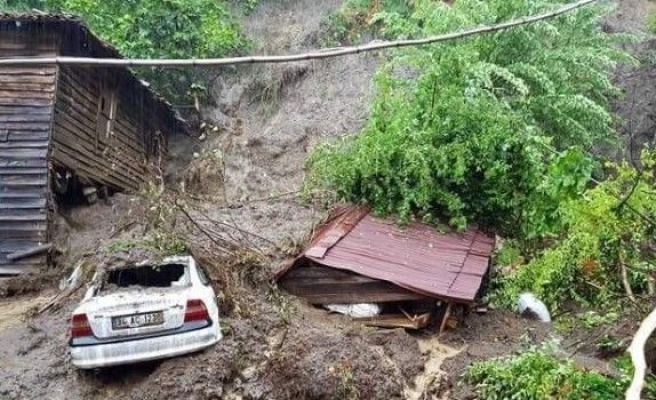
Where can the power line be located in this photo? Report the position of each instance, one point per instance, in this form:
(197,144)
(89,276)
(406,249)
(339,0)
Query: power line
(313,55)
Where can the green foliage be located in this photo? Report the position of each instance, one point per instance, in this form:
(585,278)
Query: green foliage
(543,373)
(19,5)
(248,5)
(356,18)
(156,29)
(651,21)
(466,130)
(509,254)
(540,374)
(609,226)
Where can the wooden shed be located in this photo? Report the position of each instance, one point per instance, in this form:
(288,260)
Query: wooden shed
(357,258)
(98,127)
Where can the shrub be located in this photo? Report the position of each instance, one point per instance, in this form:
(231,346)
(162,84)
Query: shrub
(610,226)
(540,374)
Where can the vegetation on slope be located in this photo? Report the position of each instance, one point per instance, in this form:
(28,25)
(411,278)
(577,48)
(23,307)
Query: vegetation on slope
(606,248)
(542,373)
(501,130)
(494,129)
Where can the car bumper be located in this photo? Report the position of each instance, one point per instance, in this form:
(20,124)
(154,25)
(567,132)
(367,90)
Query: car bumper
(138,350)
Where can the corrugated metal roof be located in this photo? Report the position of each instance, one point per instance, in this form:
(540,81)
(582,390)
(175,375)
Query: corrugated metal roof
(449,266)
(101,49)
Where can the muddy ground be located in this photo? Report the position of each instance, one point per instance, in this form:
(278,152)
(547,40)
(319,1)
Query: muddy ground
(248,172)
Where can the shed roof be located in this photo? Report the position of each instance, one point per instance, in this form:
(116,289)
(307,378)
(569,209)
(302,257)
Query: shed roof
(90,45)
(417,257)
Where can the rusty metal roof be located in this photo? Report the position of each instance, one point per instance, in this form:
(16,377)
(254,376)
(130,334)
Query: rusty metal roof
(417,257)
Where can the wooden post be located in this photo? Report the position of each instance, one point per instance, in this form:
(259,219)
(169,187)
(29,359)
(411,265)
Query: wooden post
(447,314)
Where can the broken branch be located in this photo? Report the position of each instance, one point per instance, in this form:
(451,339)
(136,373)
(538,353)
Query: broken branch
(224,247)
(625,281)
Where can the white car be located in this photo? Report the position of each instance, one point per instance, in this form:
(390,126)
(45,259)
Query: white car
(145,312)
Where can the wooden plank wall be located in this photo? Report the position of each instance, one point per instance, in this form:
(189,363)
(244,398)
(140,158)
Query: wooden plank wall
(119,159)
(323,285)
(26,108)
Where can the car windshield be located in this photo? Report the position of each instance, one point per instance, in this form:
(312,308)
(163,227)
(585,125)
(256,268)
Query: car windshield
(148,276)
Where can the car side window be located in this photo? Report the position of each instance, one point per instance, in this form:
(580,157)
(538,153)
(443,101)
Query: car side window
(203,277)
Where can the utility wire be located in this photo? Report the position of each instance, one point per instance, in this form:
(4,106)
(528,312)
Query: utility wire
(313,55)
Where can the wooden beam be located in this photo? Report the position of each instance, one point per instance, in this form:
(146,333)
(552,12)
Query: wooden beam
(396,321)
(447,314)
(325,285)
(17,255)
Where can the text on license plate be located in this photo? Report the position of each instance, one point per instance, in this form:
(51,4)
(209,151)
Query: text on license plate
(138,320)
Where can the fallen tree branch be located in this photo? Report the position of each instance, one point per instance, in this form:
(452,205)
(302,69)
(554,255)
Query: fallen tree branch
(56,301)
(222,245)
(637,352)
(122,228)
(625,280)
(313,55)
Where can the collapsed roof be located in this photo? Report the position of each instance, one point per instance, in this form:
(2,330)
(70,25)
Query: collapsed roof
(417,258)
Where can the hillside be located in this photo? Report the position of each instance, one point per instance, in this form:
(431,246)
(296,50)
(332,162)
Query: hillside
(246,177)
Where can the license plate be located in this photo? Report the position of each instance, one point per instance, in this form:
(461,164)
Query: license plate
(138,320)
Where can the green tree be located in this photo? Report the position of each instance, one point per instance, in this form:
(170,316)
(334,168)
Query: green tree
(494,129)
(608,231)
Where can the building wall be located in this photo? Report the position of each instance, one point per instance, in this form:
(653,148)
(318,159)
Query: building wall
(319,284)
(102,129)
(26,108)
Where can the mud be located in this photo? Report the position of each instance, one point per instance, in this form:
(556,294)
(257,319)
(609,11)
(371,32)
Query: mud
(269,117)
(249,172)
(263,357)
(638,83)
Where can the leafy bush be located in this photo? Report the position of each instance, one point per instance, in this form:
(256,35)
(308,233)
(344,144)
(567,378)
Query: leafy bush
(541,374)
(466,130)
(608,227)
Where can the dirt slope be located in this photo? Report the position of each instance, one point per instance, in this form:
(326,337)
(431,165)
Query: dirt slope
(270,116)
(636,107)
